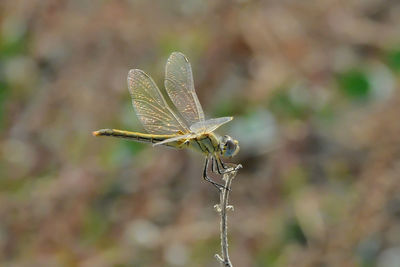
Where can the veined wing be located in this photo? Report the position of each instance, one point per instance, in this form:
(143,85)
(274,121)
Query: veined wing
(173,139)
(180,88)
(151,107)
(210,125)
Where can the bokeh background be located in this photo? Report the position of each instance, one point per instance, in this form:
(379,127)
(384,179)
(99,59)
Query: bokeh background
(314,88)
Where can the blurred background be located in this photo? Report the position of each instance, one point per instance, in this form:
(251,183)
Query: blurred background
(314,88)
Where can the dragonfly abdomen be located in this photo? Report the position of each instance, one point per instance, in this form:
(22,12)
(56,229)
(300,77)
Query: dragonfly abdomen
(140,137)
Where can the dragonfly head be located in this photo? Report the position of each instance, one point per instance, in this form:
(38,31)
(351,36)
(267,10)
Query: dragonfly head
(229,147)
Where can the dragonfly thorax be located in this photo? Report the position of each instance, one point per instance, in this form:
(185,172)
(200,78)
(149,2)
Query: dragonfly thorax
(211,143)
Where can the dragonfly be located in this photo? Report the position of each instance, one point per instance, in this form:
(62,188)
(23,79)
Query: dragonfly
(186,128)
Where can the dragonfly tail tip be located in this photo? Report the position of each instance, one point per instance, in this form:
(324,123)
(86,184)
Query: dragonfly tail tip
(95,133)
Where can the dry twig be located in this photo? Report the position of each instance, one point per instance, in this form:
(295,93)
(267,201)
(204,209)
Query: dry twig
(222,208)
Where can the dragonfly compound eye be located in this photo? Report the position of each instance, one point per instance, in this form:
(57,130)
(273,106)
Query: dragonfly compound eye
(231,147)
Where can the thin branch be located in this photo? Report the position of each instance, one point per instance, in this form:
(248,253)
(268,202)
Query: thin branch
(222,208)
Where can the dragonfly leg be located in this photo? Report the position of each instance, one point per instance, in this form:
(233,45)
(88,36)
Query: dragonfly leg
(208,179)
(213,168)
(225,168)
(217,170)
(222,164)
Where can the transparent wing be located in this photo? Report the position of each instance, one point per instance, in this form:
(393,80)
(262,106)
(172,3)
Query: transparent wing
(150,106)
(172,139)
(180,88)
(210,125)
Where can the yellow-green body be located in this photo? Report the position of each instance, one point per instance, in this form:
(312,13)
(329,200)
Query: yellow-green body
(207,143)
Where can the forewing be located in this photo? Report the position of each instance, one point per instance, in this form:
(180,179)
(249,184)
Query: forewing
(151,107)
(210,125)
(180,88)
